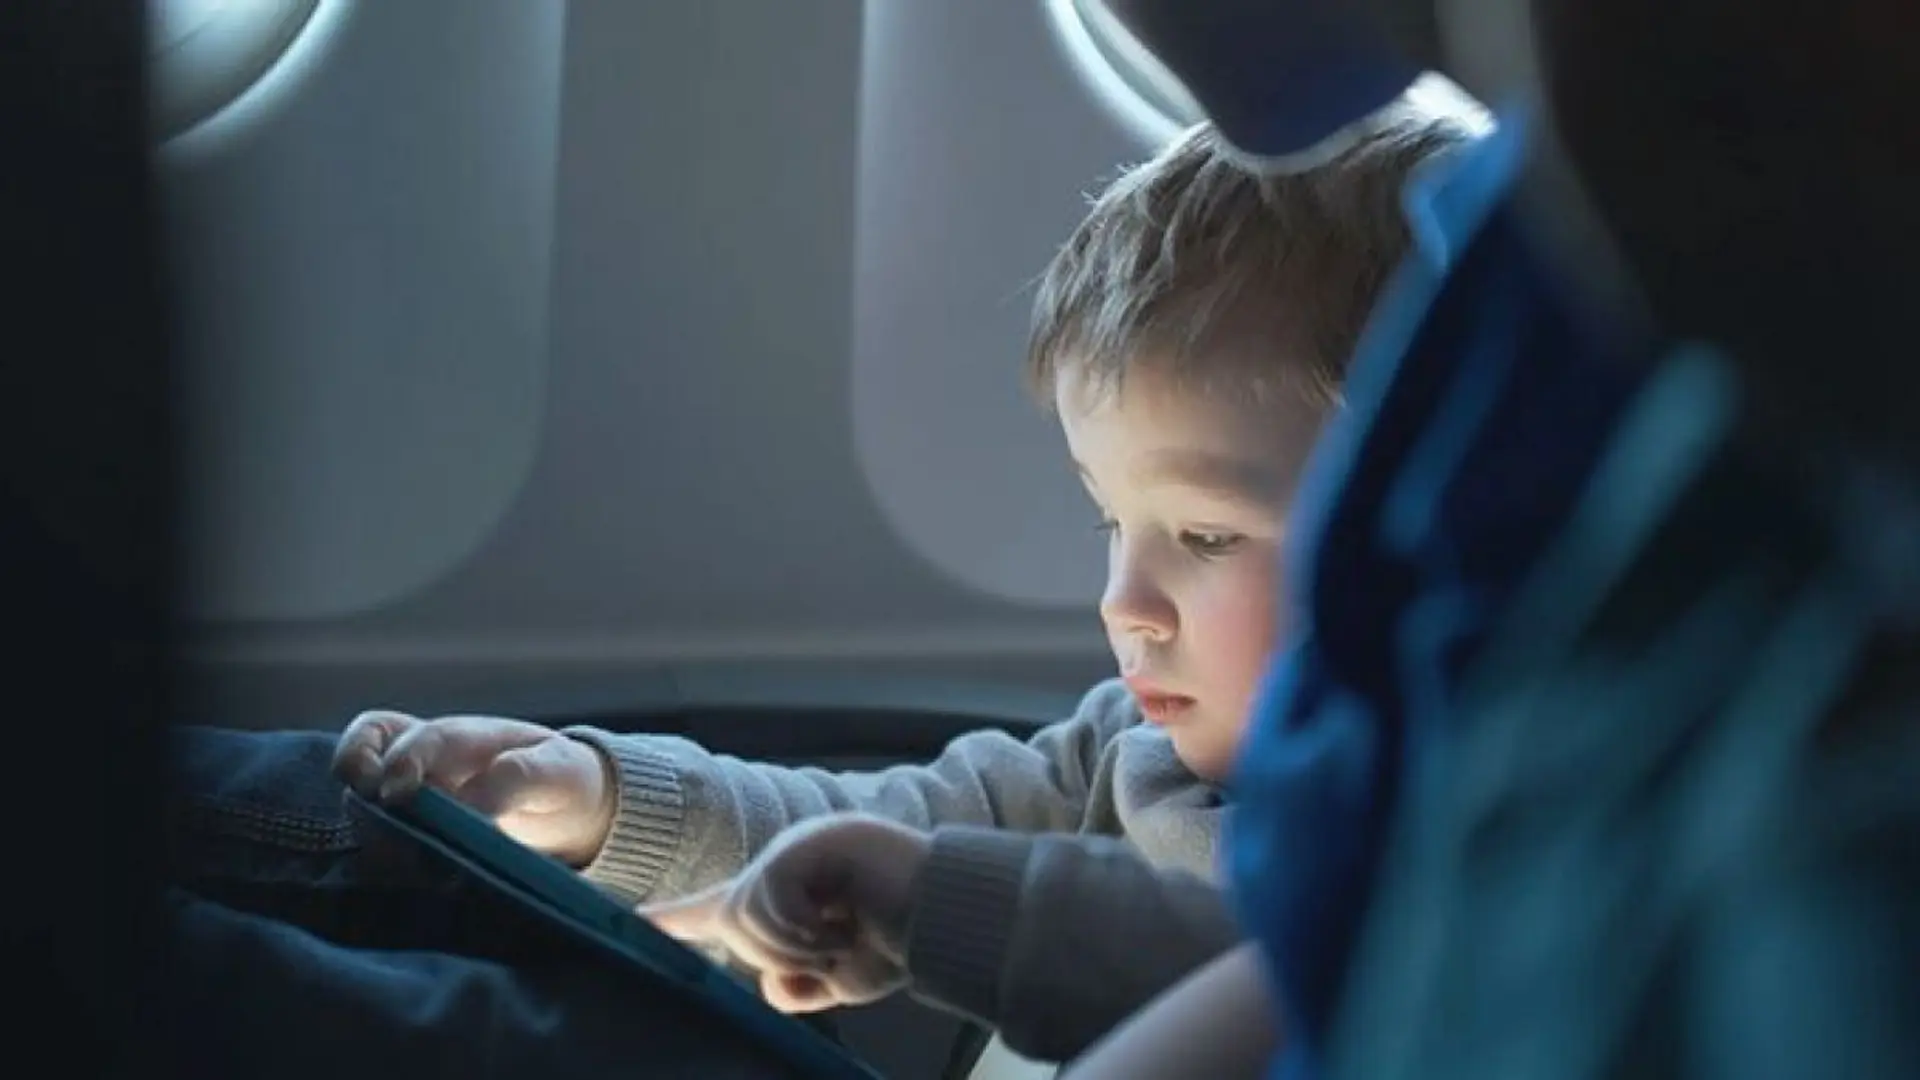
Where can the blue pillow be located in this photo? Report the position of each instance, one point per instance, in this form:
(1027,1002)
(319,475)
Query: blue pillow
(1480,399)
(1282,80)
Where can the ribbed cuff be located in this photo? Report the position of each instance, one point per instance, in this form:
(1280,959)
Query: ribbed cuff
(649,818)
(965,906)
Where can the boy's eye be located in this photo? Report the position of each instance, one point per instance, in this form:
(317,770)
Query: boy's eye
(1209,545)
(1106,526)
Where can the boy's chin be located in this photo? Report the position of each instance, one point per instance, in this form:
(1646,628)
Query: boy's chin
(1201,757)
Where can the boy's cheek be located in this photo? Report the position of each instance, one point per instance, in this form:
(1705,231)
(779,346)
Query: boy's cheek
(1243,631)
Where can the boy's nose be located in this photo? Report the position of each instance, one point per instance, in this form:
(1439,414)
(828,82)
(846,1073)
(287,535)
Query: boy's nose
(1133,607)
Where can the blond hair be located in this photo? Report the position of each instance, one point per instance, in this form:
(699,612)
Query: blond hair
(1190,248)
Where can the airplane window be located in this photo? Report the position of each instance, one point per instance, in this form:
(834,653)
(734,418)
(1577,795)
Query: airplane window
(937,342)
(207,53)
(326,287)
(1146,97)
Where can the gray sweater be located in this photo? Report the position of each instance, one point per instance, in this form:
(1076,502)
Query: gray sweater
(1071,876)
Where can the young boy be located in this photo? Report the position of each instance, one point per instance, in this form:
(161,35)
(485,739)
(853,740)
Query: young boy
(1190,336)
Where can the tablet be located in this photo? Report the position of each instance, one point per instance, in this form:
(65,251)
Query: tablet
(454,830)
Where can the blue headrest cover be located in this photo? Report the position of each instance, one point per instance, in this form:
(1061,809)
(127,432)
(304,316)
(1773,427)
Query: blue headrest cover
(1282,80)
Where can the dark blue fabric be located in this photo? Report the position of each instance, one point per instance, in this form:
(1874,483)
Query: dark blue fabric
(1276,78)
(1479,402)
(310,938)
(249,996)
(257,823)
(1672,829)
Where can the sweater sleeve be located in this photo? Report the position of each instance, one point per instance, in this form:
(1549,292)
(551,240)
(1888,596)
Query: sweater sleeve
(1054,940)
(687,818)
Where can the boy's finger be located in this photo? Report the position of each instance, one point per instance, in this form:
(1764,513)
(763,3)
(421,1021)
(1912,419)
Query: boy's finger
(800,904)
(449,751)
(364,744)
(797,992)
(544,778)
(711,917)
(696,917)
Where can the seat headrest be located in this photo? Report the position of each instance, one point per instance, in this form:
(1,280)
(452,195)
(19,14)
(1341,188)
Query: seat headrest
(1283,80)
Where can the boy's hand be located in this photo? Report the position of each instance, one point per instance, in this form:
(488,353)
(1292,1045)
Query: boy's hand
(821,914)
(547,791)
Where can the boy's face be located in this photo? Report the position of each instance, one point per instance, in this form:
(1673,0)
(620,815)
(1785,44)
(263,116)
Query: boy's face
(1192,494)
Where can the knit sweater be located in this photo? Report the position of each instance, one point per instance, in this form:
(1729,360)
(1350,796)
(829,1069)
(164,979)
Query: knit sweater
(1071,876)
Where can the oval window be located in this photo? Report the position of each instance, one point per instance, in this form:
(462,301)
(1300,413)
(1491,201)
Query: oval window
(1128,79)
(206,53)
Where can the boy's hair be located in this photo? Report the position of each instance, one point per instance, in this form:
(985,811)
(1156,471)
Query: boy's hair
(1191,249)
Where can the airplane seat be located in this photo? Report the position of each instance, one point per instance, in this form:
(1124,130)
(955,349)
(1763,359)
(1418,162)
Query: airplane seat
(1780,220)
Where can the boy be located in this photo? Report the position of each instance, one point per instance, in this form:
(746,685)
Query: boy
(1190,336)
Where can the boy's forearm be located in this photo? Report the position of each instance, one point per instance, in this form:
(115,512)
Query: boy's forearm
(1218,1023)
(1054,940)
(686,819)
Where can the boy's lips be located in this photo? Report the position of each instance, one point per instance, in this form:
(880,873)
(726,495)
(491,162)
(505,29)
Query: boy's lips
(1157,705)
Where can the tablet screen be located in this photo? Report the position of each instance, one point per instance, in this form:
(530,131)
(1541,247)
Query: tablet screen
(558,892)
